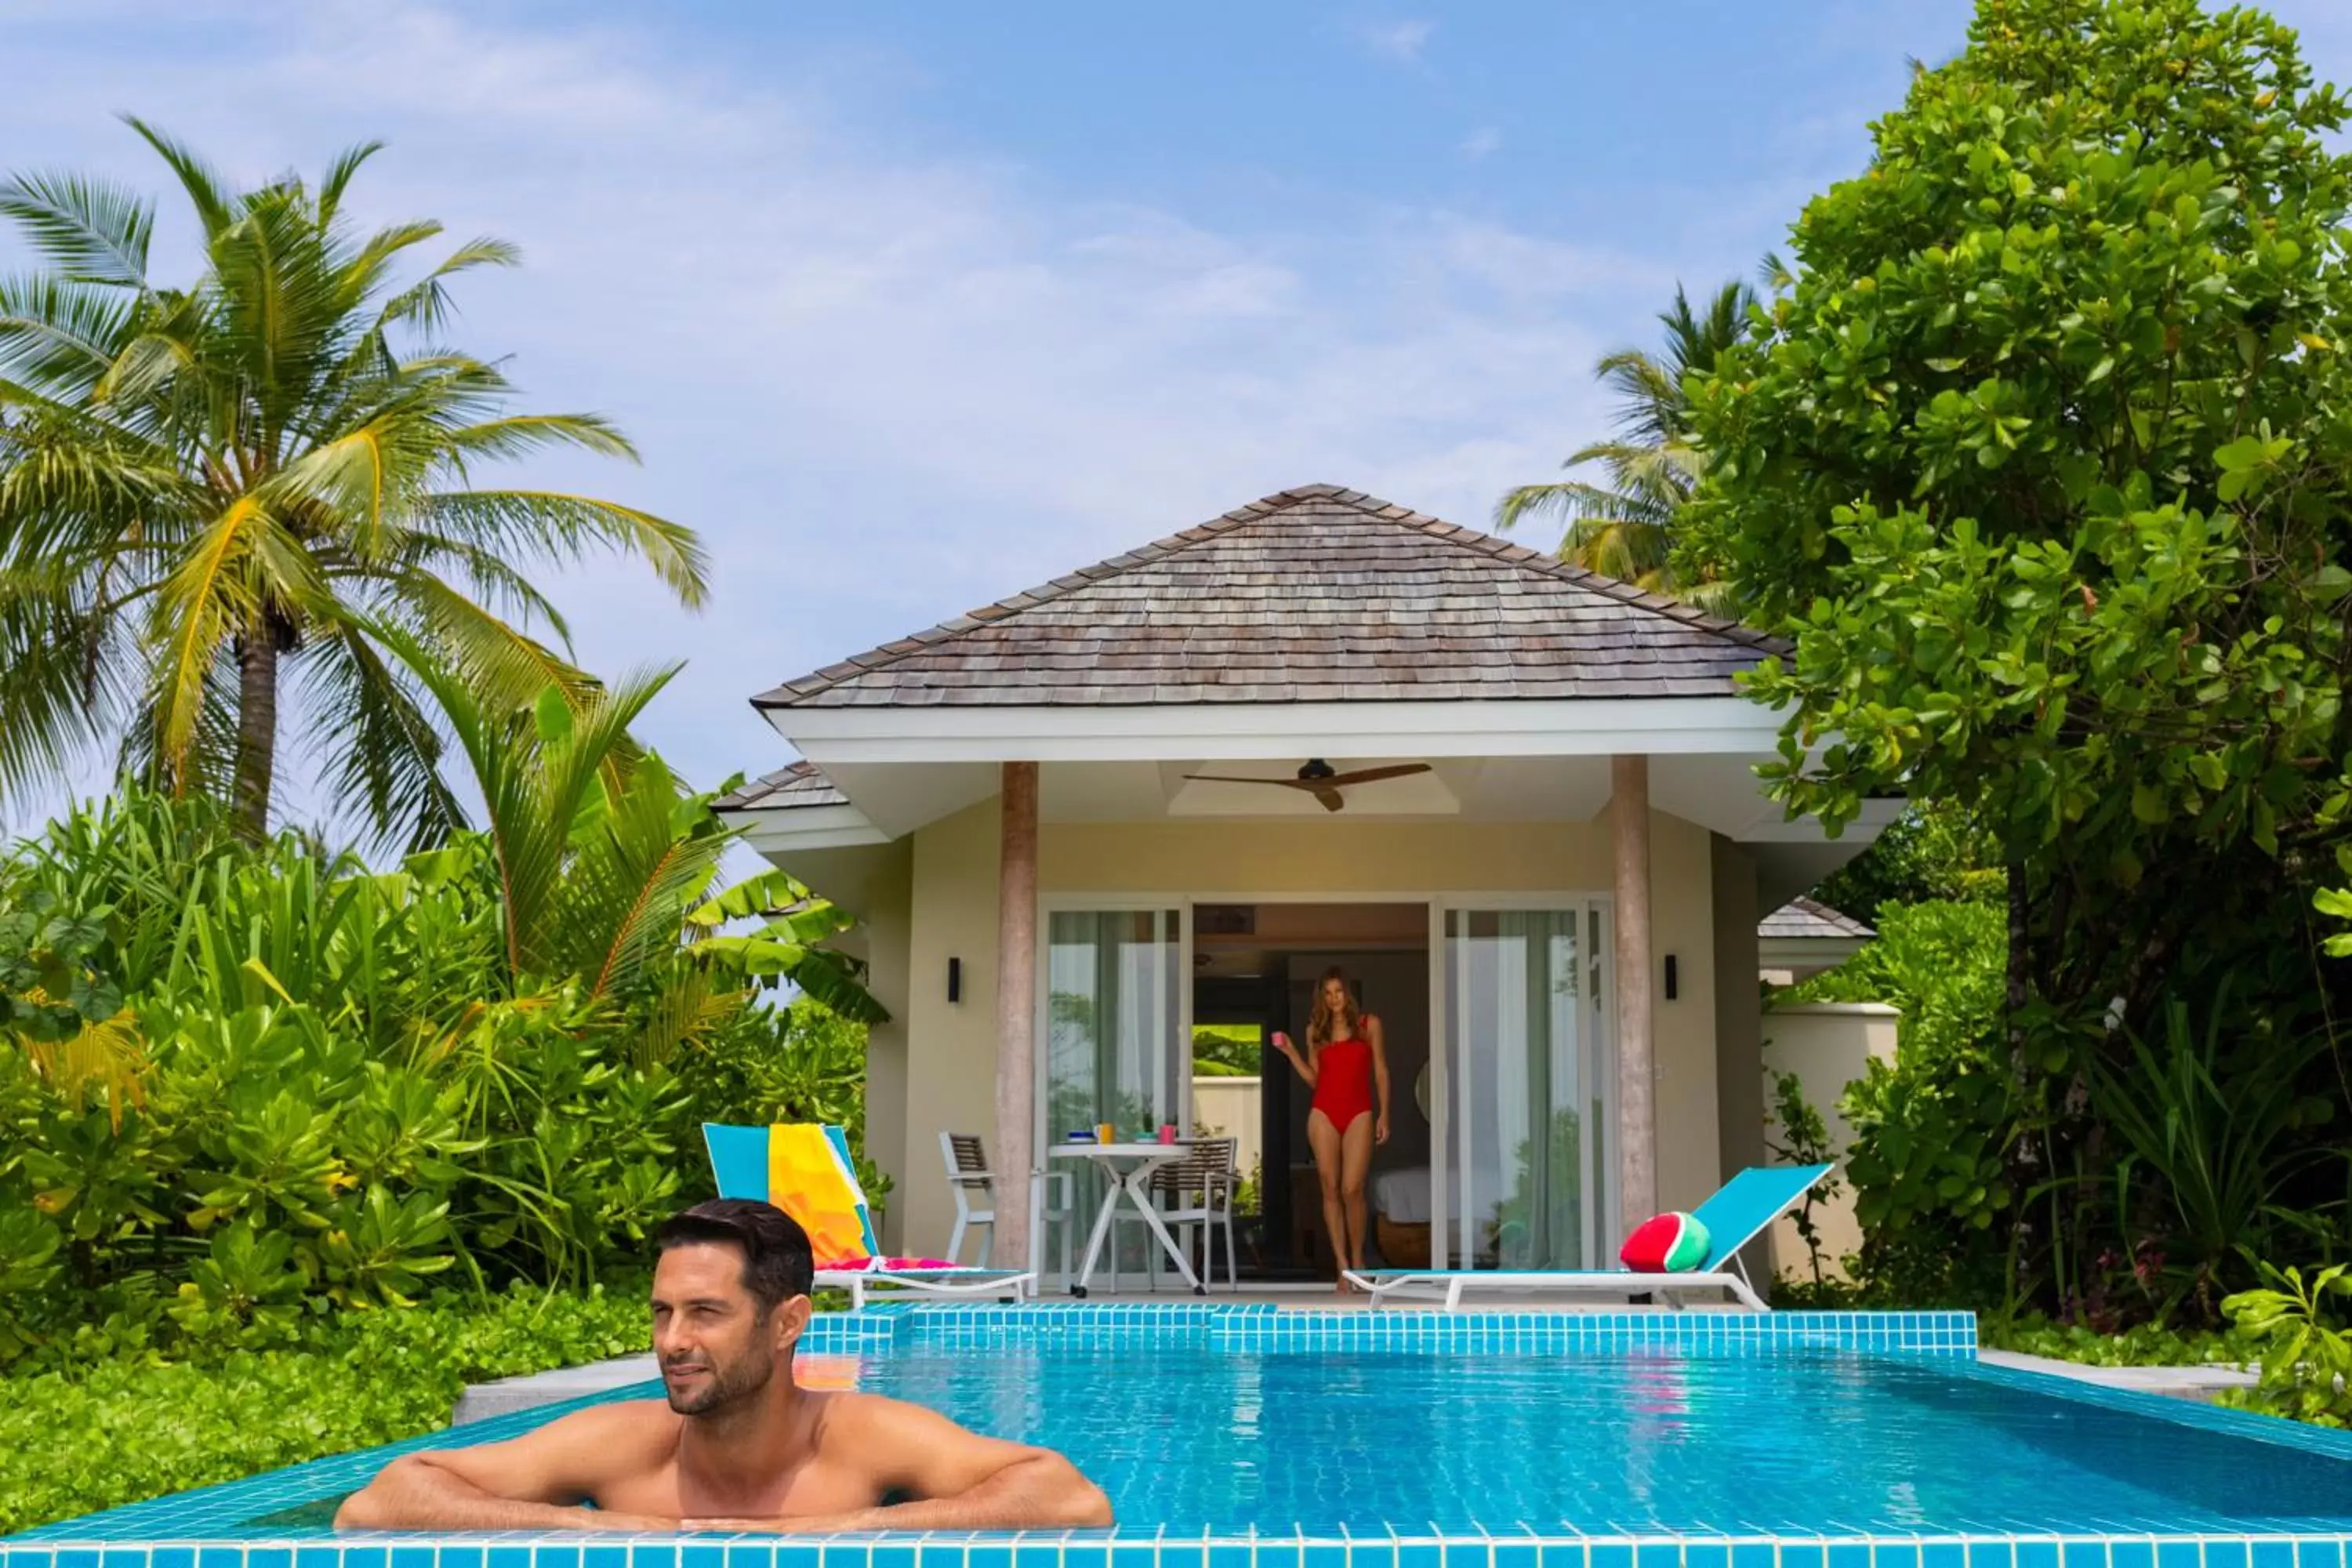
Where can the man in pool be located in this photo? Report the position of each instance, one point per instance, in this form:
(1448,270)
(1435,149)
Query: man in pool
(740,1447)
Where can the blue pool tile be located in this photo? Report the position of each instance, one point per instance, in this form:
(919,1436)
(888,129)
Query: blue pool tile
(590,1557)
(890,1555)
(1660,1554)
(1753,1554)
(2180,1554)
(1041,1554)
(2319,1555)
(450,1557)
(1468,1553)
(2225,1555)
(85,1557)
(1985,1553)
(2032,1553)
(1173,1554)
(687,1557)
(1076,1554)
(644,1554)
(2128,1554)
(1849,1554)
(1894,1554)
(283,1557)
(1419,1554)
(332,1557)
(1516,1552)
(1611,1554)
(2088,1555)
(170,1557)
(546,1557)
(1579,1554)
(232,1557)
(2271,1554)
(1224,1555)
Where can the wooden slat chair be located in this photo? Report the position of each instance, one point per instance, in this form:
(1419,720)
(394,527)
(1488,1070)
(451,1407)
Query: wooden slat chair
(1199,1190)
(974,1187)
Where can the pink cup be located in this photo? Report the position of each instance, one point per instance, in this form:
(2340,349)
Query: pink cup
(1167,1132)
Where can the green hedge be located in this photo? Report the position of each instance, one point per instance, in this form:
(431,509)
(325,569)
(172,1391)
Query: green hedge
(123,1430)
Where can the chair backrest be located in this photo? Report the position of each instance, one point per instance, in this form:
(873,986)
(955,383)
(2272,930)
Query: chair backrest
(805,1170)
(1751,1200)
(967,1161)
(1203,1160)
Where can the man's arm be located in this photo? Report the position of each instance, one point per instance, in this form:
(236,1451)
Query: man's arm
(959,1480)
(535,1482)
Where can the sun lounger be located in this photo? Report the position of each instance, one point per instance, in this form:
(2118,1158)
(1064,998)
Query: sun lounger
(1735,1216)
(805,1171)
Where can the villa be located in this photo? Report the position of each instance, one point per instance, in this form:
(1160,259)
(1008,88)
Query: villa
(1076,822)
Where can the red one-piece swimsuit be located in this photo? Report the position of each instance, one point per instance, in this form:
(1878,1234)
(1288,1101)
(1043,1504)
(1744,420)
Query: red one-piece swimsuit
(1343,1080)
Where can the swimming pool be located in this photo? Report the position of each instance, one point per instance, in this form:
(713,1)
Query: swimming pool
(1243,1437)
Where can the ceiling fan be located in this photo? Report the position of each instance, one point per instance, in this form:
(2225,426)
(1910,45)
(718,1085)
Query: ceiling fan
(1319,779)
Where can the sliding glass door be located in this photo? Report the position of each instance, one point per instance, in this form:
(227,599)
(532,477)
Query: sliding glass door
(1115,1005)
(1528,1159)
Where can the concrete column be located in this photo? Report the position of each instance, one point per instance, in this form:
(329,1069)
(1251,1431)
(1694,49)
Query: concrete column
(1637,1118)
(1014,1155)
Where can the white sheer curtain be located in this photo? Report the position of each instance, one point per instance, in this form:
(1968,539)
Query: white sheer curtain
(1524,1048)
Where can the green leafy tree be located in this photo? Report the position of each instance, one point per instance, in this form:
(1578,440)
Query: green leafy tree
(1625,528)
(2042,461)
(210,490)
(1935,852)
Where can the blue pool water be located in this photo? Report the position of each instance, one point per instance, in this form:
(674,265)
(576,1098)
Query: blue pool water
(1802,1443)
(1242,1437)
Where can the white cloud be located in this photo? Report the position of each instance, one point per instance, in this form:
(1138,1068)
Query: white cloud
(1483,142)
(885,388)
(1398,40)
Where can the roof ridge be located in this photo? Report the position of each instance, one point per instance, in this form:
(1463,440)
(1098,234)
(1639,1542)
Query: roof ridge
(887,654)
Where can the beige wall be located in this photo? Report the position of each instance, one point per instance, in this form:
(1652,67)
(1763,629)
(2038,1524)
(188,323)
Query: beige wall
(1827,1046)
(875,884)
(1738,1021)
(950,1053)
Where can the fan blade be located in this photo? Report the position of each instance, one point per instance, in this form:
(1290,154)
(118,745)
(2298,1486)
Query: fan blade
(1332,798)
(1228,778)
(1367,776)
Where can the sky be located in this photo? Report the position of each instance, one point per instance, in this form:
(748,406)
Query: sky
(911,306)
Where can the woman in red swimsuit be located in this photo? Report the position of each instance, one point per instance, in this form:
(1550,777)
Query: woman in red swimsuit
(1349,1072)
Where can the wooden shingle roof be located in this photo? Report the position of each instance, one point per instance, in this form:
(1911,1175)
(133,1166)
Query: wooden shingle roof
(794,785)
(1317,594)
(1805,919)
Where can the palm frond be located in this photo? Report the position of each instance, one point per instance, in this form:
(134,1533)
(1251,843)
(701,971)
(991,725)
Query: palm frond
(214,210)
(562,526)
(59,334)
(338,178)
(91,231)
(373,740)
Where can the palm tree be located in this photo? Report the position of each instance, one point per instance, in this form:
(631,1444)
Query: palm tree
(1625,528)
(210,493)
(605,864)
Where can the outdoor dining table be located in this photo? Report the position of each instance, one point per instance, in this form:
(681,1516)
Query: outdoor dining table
(1128,1167)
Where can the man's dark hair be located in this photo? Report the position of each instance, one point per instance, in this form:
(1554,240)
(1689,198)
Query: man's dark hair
(777,1265)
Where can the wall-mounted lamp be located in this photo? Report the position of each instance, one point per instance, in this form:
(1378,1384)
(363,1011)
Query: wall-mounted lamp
(1671,986)
(955,979)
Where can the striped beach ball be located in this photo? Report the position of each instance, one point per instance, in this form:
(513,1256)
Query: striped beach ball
(1667,1244)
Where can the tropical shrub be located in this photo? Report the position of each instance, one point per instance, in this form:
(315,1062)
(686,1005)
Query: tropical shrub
(135,1426)
(2306,1348)
(327,1090)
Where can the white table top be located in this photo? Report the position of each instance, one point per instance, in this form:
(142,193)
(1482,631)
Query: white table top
(1114,1151)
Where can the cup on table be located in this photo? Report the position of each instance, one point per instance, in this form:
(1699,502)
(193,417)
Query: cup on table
(1167,1132)
(1105,1134)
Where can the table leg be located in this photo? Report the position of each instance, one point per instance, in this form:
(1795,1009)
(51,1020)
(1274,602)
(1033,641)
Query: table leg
(1094,1242)
(1135,1189)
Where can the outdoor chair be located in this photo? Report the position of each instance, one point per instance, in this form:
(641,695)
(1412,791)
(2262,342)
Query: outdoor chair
(972,1181)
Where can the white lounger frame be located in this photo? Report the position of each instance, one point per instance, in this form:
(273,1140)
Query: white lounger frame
(1446,1286)
(944,1285)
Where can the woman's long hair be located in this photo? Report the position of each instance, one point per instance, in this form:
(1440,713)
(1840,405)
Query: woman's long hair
(1319,1027)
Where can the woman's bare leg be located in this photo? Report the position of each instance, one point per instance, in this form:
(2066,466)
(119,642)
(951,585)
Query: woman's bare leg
(1324,1139)
(1355,1165)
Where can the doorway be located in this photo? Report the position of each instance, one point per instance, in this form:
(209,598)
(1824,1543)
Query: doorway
(1255,968)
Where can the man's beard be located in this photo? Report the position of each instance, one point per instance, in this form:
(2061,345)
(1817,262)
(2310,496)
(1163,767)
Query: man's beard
(726,1386)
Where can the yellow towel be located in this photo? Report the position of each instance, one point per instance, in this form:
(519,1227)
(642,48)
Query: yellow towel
(805,1179)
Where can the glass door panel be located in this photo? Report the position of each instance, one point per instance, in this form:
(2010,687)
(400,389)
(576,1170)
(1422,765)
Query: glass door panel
(1527,1161)
(1115,1049)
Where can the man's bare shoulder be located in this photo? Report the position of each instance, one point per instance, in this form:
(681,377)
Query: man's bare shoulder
(620,1433)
